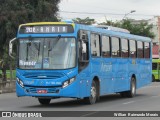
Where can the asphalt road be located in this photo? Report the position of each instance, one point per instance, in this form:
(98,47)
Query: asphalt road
(147,99)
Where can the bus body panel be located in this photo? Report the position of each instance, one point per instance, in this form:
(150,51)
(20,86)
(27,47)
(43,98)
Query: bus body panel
(114,74)
(156,69)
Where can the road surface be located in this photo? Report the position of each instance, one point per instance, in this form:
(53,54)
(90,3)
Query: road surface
(146,99)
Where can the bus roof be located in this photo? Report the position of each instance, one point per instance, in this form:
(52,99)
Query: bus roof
(113,28)
(42,23)
(95,29)
(114,33)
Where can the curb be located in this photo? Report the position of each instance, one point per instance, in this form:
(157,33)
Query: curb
(7,87)
(7,91)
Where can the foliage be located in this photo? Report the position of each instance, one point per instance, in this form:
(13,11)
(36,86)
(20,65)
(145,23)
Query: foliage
(16,12)
(86,21)
(110,23)
(142,29)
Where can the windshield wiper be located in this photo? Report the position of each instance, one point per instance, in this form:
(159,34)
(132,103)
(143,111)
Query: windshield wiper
(37,47)
(28,44)
(51,46)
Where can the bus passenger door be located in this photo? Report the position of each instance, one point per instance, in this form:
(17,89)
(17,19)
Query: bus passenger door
(83,63)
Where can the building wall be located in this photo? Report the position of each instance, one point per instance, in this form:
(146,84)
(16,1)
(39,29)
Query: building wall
(158,25)
(156,30)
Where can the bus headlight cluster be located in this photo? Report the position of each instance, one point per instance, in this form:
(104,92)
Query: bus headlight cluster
(68,82)
(20,82)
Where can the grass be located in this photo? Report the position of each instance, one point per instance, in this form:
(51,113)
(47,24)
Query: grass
(8,73)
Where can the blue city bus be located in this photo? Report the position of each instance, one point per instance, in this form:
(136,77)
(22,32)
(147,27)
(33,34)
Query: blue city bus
(64,59)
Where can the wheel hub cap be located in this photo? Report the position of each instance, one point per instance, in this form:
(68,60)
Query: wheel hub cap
(93,92)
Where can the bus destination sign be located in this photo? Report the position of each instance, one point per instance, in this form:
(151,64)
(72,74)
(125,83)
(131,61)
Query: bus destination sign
(46,29)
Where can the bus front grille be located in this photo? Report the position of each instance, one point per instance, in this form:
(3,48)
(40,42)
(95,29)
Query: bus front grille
(43,75)
(49,90)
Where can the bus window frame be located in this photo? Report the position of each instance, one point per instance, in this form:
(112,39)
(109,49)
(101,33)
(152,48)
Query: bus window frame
(99,45)
(119,39)
(109,45)
(138,51)
(149,50)
(128,48)
(76,43)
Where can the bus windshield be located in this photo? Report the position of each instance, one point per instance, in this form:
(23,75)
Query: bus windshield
(47,53)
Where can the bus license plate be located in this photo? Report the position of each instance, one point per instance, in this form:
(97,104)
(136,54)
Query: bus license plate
(42,91)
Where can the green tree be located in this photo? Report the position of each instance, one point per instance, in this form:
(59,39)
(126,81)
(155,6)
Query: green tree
(110,23)
(142,29)
(16,12)
(86,21)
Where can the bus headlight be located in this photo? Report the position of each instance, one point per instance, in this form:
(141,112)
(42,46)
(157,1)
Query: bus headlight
(68,82)
(20,82)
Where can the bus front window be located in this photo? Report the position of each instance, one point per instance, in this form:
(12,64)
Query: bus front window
(47,53)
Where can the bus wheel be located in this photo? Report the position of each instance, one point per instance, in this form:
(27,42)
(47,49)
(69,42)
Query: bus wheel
(132,92)
(93,94)
(44,101)
(123,94)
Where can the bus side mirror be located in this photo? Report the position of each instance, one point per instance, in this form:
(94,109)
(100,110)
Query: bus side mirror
(11,47)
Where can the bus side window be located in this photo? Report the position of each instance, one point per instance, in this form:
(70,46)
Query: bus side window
(106,52)
(83,46)
(116,47)
(133,52)
(95,45)
(125,49)
(154,66)
(140,49)
(85,50)
(146,50)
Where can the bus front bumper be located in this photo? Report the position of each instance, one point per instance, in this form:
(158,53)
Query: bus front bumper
(71,91)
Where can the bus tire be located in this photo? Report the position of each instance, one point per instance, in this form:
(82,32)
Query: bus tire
(123,94)
(132,92)
(44,101)
(93,94)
